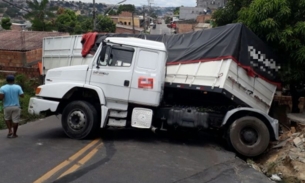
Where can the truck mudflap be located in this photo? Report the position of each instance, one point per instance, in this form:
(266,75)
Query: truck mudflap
(38,105)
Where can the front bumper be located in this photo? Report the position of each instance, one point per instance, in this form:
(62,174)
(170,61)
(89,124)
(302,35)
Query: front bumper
(38,105)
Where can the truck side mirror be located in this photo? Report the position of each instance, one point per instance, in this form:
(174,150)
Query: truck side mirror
(103,52)
(103,58)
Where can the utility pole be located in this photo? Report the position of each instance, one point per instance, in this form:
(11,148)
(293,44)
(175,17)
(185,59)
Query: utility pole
(144,18)
(94,16)
(150,2)
(133,29)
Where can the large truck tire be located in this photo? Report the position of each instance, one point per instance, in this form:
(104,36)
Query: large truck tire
(249,136)
(79,120)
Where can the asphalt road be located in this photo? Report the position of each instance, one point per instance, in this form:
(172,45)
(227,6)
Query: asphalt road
(42,152)
(161,29)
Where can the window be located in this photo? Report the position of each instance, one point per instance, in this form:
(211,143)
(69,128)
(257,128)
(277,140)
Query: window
(148,60)
(116,56)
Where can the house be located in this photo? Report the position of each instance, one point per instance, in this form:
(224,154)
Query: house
(197,24)
(22,48)
(190,13)
(18,27)
(124,23)
(125,18)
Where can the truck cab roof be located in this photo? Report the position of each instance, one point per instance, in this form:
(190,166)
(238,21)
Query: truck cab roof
(136,42)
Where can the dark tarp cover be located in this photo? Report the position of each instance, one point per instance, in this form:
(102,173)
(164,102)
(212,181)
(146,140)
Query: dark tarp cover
(232,41)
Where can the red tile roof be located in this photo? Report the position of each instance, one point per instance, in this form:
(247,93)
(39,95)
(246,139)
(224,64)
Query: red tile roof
(32,40)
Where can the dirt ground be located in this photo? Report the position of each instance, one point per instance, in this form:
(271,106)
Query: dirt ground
(285,159)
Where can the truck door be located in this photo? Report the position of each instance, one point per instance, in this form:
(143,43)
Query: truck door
(113,71)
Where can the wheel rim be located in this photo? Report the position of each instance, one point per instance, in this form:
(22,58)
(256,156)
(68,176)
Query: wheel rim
(77,120)
(249,136)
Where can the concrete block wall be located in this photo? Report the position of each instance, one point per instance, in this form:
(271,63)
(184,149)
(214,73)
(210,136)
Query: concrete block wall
(34,55)
(19,59)
(203,18)
(185,28)
(11,58)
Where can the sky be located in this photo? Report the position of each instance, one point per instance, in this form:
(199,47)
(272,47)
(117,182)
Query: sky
(162,3)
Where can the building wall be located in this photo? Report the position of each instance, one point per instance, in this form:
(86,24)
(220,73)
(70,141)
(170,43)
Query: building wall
(212,4)
(115,19)
(34,55)
(189,13)
(19,59)
(11,58)
(128,21)
(184,28)
(17,27)
(125,18)
(120,30)
(30,72)
(203,18)
(125,14)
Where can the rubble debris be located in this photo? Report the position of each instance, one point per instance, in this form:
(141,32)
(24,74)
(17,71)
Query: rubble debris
(297,141)
(275,177)
(295,134)
(281,144)
(292,129)
(285,158)
(297,117)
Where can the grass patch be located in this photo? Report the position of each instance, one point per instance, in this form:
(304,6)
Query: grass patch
(28,86)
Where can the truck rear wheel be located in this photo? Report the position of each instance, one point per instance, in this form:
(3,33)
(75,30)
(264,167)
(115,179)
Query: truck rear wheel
(249,136)
(79,120)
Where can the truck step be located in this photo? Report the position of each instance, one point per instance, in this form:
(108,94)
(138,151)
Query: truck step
(118,114)
(117,122)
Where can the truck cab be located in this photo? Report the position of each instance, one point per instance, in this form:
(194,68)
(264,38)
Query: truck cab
(123,71)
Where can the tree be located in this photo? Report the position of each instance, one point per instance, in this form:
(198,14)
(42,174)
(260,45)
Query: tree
(105,24)
(67,21)
(126,7)
(281,24)
(177,11)
(229,14)
(154,15)
(85,23)
(110,11)
(60,10)
(6,23)
(39,15)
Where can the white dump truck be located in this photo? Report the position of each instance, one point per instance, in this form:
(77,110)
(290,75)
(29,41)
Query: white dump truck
(218,79)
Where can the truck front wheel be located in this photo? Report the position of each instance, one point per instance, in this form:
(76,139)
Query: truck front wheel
(249,136)
(79,120)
